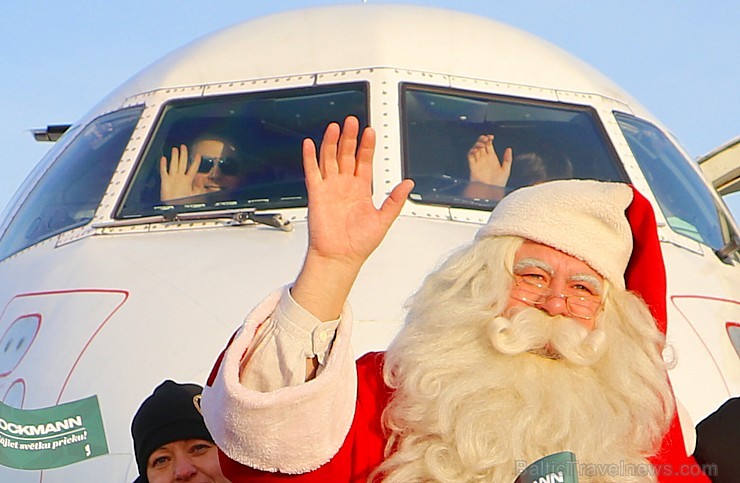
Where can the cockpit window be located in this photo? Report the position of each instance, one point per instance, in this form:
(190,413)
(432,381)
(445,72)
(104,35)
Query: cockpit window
(69,193)
(237,151)
(685,200)
(456,143)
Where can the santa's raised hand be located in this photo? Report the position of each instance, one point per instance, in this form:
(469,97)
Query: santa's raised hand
(344,225)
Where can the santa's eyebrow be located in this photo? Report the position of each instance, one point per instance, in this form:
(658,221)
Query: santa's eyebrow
(587,278)
(591,280)
(533,262)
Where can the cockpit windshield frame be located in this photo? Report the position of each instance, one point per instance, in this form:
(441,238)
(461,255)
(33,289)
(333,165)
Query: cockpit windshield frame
(688,205)
(69,192)
(549,140)
(248,146)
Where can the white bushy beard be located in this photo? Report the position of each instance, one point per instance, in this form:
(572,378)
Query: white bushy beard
(464,411)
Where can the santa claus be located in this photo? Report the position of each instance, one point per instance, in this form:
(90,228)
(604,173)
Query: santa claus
(545,334)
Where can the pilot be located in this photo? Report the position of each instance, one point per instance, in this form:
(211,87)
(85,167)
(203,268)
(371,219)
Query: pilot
(489,174)
(544,334)
(171,441)
(213,164)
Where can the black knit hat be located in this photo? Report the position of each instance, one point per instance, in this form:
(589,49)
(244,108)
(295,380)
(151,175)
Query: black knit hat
(169,414)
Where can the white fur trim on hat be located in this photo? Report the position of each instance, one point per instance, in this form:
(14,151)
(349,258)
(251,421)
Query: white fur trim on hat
(583,218)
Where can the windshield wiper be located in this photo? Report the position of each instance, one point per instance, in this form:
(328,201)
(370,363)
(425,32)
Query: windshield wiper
(275,220)
(725,253)
(235,217)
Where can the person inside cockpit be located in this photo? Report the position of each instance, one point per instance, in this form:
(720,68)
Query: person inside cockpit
(489,175)
(212,164)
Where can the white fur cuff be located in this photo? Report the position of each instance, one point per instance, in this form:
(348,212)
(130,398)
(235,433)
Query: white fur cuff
(294,429)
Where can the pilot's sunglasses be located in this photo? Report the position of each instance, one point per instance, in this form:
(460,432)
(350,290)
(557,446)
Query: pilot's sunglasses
(227,166)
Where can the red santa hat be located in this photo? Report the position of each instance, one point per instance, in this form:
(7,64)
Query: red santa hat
(583,218)
(610,226)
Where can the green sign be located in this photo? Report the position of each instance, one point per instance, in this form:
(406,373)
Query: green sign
(39,439)
(554,468)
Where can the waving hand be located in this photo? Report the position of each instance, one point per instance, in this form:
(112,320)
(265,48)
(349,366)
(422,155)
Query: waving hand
(484,163)
(344,225)
(177,176)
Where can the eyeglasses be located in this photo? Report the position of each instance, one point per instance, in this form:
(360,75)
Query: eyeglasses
(535,294)
(227,166)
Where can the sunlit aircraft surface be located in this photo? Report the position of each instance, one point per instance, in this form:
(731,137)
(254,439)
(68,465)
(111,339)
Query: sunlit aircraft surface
(107,288)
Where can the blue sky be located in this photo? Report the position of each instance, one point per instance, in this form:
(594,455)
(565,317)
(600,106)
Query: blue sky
(679,59)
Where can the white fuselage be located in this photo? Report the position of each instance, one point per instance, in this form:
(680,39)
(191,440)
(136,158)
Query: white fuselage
(113,306)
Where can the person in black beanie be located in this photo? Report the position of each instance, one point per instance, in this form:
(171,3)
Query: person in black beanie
(171,441)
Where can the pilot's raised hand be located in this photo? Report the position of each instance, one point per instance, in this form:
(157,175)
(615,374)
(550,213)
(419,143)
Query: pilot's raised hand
(344,225)
(484,163)
(177,178)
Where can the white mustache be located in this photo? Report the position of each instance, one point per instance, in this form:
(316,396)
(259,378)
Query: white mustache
(532,330)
